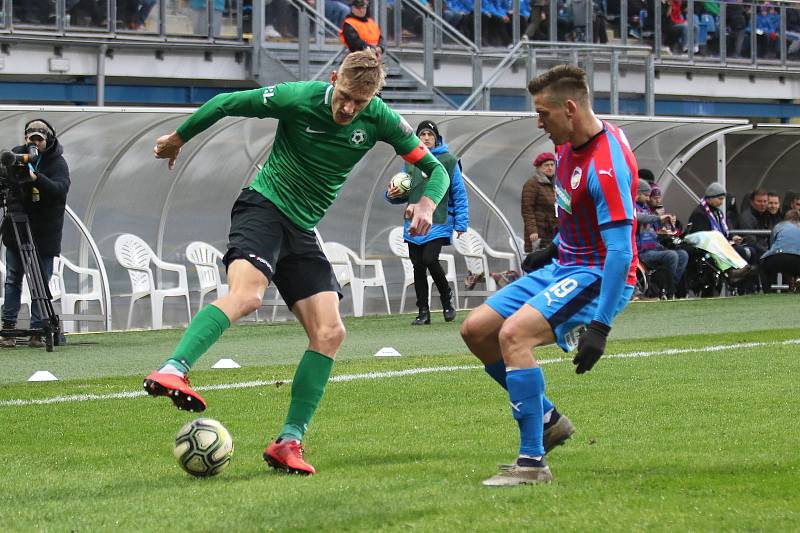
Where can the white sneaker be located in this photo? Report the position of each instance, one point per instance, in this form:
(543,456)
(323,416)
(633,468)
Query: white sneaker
(271,33)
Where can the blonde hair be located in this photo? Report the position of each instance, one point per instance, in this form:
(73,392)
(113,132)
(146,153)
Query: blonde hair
(363,68)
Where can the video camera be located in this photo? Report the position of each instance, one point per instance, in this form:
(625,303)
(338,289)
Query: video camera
(14,167)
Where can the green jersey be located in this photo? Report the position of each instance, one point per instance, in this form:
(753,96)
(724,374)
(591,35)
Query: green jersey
(312,154)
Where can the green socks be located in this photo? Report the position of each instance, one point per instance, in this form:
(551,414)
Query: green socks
(307,388)
(203,331)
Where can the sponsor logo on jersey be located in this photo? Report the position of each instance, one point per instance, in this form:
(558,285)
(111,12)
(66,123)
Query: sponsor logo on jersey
(609,172)
(309,130)
(358,136)
(575,180)
(563,199)
(405,127)
(269,92)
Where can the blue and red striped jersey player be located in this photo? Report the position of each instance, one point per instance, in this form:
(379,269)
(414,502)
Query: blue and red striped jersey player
(573,299)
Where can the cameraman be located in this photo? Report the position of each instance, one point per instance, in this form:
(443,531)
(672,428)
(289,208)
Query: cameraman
(44,200)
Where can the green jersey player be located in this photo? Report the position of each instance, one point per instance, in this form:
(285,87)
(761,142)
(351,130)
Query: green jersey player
(324,129)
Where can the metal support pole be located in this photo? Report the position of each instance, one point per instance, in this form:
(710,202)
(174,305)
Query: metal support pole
(690,42)
(753,41)
(477,72)
(552,20)
(257,24)
(722,176)
(515,21)
(657,37)
(101,75)
(623,21)
(319,33)
(477,23)
(162,18)
(723,39)
(398,22)
(530,73)
(60,12)
(614,78)
(589,68)
(437,35)
(589,21)
(427,40)
(782,38)
(649,86)
(302,41)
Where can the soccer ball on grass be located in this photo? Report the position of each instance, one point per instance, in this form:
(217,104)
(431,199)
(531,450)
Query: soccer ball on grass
(203,447)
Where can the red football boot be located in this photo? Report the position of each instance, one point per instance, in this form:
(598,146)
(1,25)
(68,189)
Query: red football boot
(287,455)
(177,388)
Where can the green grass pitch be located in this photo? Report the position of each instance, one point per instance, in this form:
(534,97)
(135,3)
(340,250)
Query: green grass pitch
(689,424)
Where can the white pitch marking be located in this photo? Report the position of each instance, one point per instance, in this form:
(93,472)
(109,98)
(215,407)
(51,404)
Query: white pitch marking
(387,374)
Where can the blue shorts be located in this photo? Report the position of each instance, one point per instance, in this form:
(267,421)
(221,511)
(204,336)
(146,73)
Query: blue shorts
(567,296)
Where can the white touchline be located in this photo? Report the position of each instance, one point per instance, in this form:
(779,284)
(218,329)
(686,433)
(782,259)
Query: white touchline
(387,374)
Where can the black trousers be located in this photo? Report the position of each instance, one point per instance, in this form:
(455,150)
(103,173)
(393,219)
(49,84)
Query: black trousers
(425,258)
(786,264)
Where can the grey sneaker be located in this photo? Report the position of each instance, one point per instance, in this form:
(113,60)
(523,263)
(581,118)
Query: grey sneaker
(511,475)
(8,342)
(557,432)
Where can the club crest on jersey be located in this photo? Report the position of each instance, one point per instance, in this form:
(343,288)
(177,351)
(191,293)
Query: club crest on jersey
(575,179)
(358,137)
(563,199)
(269,92)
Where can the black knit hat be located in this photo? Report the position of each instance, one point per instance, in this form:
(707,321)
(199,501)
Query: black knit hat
(431,126)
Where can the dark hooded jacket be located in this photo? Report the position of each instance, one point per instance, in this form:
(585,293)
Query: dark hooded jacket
(46,214)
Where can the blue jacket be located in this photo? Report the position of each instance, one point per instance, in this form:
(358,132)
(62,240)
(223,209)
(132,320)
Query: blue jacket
(219,5)
(457,207)
(785,239)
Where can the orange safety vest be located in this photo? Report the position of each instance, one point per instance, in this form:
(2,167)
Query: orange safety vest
(368,30)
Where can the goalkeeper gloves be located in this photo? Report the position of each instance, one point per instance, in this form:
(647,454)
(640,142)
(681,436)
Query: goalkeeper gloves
(591,346)
(539,258)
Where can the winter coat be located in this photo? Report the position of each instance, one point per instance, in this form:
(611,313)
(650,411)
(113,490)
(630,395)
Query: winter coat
(538,210)
(749,219)
(785,239)
(46,214)
(457,201)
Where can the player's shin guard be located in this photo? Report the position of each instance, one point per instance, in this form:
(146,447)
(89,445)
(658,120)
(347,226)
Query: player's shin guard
(526,390)
(205,329)
(308,386)
(498,373)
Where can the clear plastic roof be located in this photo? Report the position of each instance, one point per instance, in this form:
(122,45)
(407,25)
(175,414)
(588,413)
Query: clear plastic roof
(118,186)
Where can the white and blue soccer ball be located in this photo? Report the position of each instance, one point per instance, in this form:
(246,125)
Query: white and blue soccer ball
(203,447)
(401,180)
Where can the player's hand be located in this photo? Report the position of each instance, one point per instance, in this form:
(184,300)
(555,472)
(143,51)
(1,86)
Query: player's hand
(591,346)
(539,258)
(168,147)
(421,215)
(394,192)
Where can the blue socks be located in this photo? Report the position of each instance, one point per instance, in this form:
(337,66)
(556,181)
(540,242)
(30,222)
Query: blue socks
(498,372)
(525,391)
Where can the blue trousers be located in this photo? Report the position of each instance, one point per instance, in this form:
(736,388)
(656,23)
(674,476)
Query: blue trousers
(13,287)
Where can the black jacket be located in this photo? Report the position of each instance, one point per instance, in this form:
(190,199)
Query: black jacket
(698,220)
(749,219)
(47,214)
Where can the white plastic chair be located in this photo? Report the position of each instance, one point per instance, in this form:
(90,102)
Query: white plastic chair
(400,248)
(204,257)
(475,251)
(342,259)
(69,300)
(135,255)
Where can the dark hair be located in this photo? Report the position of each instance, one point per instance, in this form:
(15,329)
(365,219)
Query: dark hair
(563,82)
(647,175)
(758,192)
(430,125)
(792,215)
(773,193)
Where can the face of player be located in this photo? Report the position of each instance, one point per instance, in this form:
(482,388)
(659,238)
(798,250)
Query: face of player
(773,204)
(555,117)
(759,203)
(716,201)
(428,138)
(548,168)
(348,99)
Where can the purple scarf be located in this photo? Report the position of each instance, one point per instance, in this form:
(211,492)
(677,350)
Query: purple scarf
(720,226)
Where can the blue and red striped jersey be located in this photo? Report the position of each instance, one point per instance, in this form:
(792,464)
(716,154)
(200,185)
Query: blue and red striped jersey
(595,185)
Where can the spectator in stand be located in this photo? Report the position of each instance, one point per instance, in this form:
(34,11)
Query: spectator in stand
(736,21)
(336,12)
(795,201)
(538,14)
(783,255)
(360,31)
(774,208)
(652,253)
(755,216)
(538,201)
(767,27)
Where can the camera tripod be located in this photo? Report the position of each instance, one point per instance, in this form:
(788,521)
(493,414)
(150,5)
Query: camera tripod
(40,293)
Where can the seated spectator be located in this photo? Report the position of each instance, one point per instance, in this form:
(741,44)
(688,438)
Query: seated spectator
(708,216)
(359,31)
(774,208)
(783,255)
(538,198)
(755,216)
(652,253)
(767,27)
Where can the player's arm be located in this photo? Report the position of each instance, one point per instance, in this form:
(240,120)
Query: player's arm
(260,103)
(615,214)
